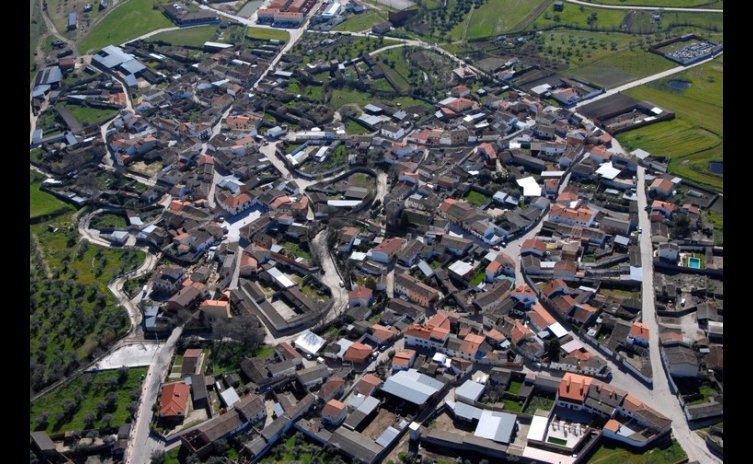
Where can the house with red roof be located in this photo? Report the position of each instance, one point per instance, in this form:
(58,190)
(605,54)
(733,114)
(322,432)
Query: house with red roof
(360,296)
(664,207)
(638,334)
(572,391)
(387,250)
(502,265)
(357,353)
(173,402)
(403,359)
(334,412)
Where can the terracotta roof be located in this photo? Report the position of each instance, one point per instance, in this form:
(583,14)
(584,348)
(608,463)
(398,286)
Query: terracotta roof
(665,185)
(368,384)
(174,399)
(534,244)
(543,315)
(639,329)
(583,215)
(331,386)
(489,150)
(333,408)
(389,246)
(574,387)
(360,293)
(193,352)
(382,333)
(612,425)
(357,353)
(519,331)
(663,204)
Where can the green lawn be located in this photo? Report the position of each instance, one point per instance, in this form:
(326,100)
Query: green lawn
(296,250)
(194,36)
(286,452)
(87,390)
(227,356)
(716,219)
(267,34)
(497,17)
(476,199)
(137,14)
(361,22)
(87,115)
(264,351)
(608,453)
(42,203)
(347,96)
(108,220)
(696,136)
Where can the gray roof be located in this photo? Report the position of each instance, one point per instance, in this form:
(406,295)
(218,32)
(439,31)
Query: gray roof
(412,386)
(42,440)
(132,66)
(355,444)
(469,392)
(51,75)
(387,437)
(230,397)
(312,373)
(497,426)
(465,411)
(425,268)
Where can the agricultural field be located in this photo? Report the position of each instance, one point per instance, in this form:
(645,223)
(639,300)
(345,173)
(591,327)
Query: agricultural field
(88,115)
(609,452)
(193,36)
(72,314)
(91,400)
(621,67)
(361,22)
(486,21)
(42,203)
(696,136)
(108,220)
(138,14)
(317,46)
(267,34)
(596,19)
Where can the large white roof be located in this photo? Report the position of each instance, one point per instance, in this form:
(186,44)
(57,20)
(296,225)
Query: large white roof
(497,426)
(309,342)
(531,188)
(608,171)
(412,386)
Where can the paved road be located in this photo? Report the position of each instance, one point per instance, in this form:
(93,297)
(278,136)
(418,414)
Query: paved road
(649,8)
(642,81)
(662,398)
(140,444)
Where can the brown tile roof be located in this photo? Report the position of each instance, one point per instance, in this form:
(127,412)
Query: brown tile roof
(174,399)
(574,387)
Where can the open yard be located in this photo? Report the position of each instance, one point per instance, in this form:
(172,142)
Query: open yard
(609,453)
(293,449)
(539,402)
(696,136)
(90,400)
(42,203)
(361,22)
(621,67)
(137,14)
(476,198)
(108,220)
(596,19)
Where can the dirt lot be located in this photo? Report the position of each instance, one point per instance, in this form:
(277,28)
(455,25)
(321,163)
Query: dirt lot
(383,420)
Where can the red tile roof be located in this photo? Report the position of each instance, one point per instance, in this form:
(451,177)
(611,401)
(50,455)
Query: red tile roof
(574,387)
(357,353)
(174,399)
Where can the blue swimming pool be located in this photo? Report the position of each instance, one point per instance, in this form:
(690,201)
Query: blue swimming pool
(695,263)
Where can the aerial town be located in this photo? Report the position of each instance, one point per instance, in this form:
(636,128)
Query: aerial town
(376,231)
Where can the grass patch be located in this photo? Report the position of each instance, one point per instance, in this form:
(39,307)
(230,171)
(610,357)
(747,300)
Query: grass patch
(608,452)
(264,351)
(193,36)
(476,199)
(137,14)
(267,34)
(557,441)
(577,16)
(515,386)
(88,115)
(42,203)
(109,220)
(361,22)
(226,357)
(354,128)
(292,449)
(86,391)
(478,278)
(341,97)
(296,249)
(512,405)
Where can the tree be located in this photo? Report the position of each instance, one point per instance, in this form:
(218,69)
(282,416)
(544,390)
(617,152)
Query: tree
(89,419)
(122,375)
(553,350)
(221,446)
(681,226)
(158,457)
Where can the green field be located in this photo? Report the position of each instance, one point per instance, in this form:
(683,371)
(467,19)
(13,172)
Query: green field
(608,453)
(193,36)
(476,198)
(696,135)
(86,395)
(42,203)
(361,22)
(489,20)
(137,14)
(108,220)
(708,21)
(622,67)
(88,115)
(347,96)
(37,29)
(353,128)
(578,16)
(267,34)
(478,278)
(538,402)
